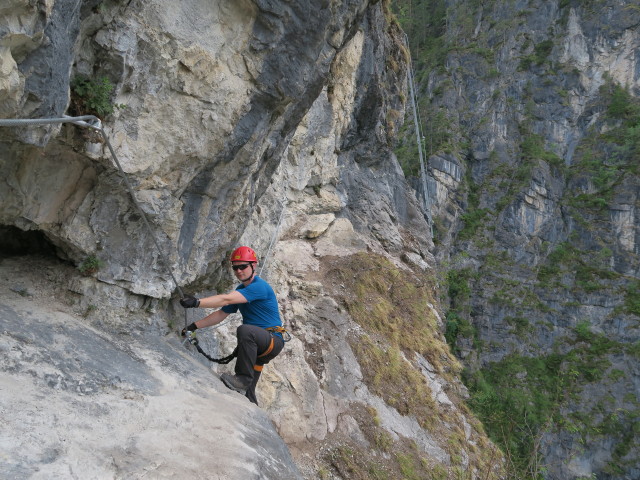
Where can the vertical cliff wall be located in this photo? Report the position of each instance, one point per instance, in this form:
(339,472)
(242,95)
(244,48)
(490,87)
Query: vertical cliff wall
(531,112)
(255,122)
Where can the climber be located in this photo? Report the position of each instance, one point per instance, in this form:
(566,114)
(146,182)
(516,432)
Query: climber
(259,337)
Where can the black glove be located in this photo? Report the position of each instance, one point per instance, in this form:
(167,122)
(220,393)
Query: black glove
(189,301)
(189,328)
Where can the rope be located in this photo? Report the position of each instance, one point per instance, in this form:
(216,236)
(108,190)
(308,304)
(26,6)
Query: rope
(96,124)
(418,126)
(18,122)
(193,340)
(275,236)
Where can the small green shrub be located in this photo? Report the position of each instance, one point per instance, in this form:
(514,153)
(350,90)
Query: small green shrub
(586,201)
(622,105)
(459,292)
(633,349)
(564,253)
(93,97)
(543,50)
(452,328)
(90,265)
(533,149)
(458,286)
(520,324)
(473,220)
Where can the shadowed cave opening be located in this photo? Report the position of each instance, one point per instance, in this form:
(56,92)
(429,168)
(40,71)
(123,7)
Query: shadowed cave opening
(17,242)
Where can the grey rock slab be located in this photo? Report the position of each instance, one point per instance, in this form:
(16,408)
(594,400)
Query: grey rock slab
(78,402)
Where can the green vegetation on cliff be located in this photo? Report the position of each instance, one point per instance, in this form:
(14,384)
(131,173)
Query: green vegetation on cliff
(544,218)
(521,398)
(92,97)
(394,310)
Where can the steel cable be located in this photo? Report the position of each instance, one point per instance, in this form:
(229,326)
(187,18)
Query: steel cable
(94,123)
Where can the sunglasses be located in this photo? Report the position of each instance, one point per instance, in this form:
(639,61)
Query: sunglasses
(240,267)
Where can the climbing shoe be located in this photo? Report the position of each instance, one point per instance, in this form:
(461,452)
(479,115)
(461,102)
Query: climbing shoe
(234,383)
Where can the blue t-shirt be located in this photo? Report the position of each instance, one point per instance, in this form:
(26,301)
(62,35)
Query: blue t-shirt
(262,307)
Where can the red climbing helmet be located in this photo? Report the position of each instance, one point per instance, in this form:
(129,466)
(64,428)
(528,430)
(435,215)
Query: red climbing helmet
(244,254)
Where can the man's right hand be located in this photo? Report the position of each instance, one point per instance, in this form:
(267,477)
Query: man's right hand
(189,301)
(190,328)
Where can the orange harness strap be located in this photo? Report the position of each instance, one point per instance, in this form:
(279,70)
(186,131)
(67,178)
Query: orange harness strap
(258,368)
(268,350)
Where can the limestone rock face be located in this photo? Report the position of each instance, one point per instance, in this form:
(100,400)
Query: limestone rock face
(535,198)
(201,87)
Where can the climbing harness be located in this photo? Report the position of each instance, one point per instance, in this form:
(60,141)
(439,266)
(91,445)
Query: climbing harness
(192,338)
(94,123)
(282,331)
